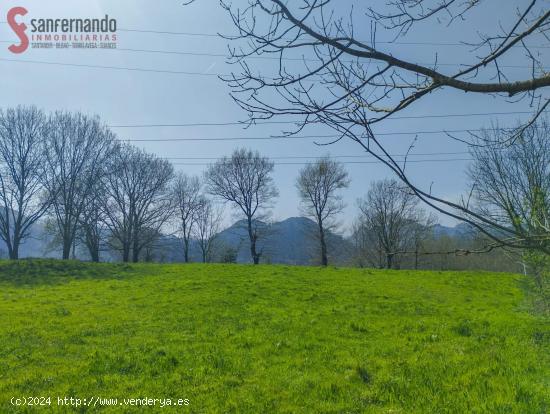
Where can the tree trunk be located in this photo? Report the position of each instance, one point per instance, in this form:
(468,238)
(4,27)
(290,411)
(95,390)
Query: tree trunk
(126,250)
(324,258)
(93,248)
(92,243)
(67,245)
(255,255)
(73,248)
(186,250)
(67,240)
(135,244)
(252,236)
(135,253)
(13,250)
(13,247)
(14,255)
(389,260)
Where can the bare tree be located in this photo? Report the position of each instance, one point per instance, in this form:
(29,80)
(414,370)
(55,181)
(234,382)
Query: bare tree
(318,186)
(364,243)
(420,231)
(22,196)
(93,227)
(187,202)
(511,184)
(387,213)
(76,150)
(208,220)
(244,179)
(325,74)
(139,199)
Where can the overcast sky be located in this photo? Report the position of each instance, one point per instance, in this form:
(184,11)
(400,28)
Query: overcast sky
(122,97)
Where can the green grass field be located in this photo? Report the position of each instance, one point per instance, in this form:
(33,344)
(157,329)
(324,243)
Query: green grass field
(271,339)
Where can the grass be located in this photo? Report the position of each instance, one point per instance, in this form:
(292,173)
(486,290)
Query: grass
(271,339)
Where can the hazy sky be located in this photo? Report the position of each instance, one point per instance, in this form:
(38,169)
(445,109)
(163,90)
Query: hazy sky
(122,97)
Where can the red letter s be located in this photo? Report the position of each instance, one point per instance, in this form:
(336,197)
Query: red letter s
(19,29)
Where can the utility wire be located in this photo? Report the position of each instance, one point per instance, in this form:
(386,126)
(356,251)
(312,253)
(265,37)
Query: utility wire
(222,124)
(331,156)
(297,59)
(201,124)
(397,43)
(217,35)
(211,74)
(301,136)
(343,162)
(81,65)
(166,71)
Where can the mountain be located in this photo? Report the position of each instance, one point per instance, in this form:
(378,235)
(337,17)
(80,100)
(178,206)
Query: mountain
(460,231)
(292,241)
(33,246)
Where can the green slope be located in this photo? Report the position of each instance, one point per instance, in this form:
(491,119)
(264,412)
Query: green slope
(270,339)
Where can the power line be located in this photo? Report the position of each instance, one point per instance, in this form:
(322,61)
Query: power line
(201,124)
(196,54)
(124,68)
(198,124)
(236,123)
(299,136)
(343,162)
(191,34)
(214,74)
(81,65)
(217,35)
(297,59)
(398,43)
(331,156)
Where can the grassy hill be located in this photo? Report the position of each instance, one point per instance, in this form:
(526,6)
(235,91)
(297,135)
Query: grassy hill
(270,339)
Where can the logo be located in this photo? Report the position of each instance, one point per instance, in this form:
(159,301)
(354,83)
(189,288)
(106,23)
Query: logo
(62,33)
(19,29)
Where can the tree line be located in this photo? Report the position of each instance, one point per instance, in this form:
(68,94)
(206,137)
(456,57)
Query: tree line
(70,168)
(97,192)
